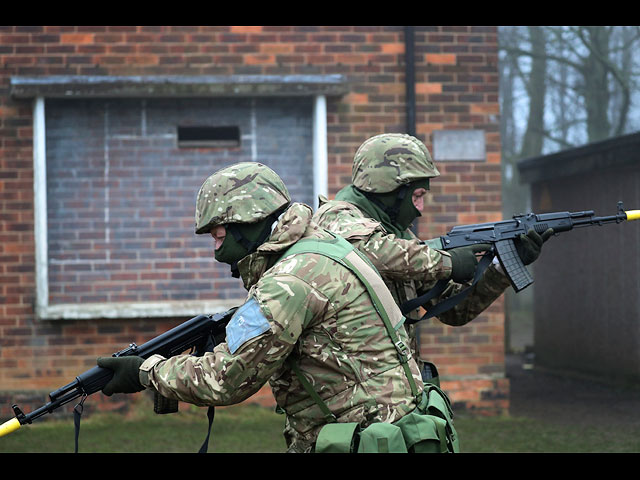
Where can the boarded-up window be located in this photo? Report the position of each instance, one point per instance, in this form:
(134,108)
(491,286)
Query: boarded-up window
(121,190)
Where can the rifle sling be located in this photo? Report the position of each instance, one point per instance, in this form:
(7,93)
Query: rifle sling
(77,414)
(439,287)
(210,415)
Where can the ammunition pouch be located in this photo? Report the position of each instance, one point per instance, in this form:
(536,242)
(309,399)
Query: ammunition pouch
(428,429)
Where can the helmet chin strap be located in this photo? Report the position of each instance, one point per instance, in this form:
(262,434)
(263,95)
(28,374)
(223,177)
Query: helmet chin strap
(235,272)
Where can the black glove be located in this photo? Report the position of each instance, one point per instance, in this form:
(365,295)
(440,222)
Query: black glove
(125,374)
(529,246)
(464,261)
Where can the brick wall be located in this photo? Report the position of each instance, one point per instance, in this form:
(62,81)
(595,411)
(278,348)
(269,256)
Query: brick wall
(456,88)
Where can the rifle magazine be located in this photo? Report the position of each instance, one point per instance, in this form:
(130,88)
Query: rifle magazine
(512,265)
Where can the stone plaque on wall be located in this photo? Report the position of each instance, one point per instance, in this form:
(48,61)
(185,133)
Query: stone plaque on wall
(459,145)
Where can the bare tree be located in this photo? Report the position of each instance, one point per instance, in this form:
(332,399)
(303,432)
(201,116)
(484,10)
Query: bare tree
(536,90)
(590,74)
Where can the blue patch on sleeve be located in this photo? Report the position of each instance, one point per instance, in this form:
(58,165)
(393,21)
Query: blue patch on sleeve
(248,322)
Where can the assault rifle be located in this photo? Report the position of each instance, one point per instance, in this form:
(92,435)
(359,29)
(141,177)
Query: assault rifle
(502,237)
(197,335)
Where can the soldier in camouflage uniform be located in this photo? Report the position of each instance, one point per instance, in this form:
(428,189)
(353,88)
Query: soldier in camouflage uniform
(390,176)
(302,310)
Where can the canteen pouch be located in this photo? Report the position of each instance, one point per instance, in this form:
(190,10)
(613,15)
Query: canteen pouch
(436,404)
(337,438)
(382,438)
(423,433)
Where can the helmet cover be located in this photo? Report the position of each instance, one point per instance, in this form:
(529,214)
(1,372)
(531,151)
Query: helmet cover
(246,192)
(387,161)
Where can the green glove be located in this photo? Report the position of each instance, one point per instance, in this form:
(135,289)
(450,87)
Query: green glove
(464,261)
(529,246)
(125,374)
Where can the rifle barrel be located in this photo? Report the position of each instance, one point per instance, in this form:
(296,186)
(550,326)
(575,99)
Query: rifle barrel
(621,217)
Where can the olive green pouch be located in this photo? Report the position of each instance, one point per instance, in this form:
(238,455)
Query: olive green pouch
(439,406)
(382,438)
(337,438)
(423,433)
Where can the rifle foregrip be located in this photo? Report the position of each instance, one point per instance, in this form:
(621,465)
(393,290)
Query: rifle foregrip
(95,379)
(512,265)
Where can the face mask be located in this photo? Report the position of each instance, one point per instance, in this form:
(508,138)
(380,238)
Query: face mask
(404,209)
(407,212)
(242,239)
(230,251)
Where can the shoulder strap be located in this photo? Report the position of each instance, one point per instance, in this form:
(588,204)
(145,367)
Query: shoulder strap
(341,251)
(439,287)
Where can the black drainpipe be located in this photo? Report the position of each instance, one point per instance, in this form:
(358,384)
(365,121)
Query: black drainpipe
(410,85)
(410,80)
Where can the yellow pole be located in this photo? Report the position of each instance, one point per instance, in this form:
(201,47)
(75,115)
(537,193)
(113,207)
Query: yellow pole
(9,426)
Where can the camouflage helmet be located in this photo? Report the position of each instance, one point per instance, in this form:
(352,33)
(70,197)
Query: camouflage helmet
(387,161)
(242,193)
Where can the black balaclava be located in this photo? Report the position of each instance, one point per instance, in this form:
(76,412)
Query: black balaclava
(242,239)
(398,204)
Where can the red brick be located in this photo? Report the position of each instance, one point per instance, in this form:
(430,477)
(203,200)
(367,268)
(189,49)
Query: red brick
(77,38)
(395,48)
(441,58)
(259,59)
(255,29)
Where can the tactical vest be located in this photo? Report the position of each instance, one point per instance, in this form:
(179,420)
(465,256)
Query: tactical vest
(429,428)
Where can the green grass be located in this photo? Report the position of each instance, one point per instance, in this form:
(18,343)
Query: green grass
(524,435)
(245,428)
(250,428)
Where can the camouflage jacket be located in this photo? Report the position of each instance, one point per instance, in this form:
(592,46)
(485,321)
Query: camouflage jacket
(320,316)
(408,267)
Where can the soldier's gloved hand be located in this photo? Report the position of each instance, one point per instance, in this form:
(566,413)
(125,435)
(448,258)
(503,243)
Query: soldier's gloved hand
(125,374)
(464,261)
(529,246)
